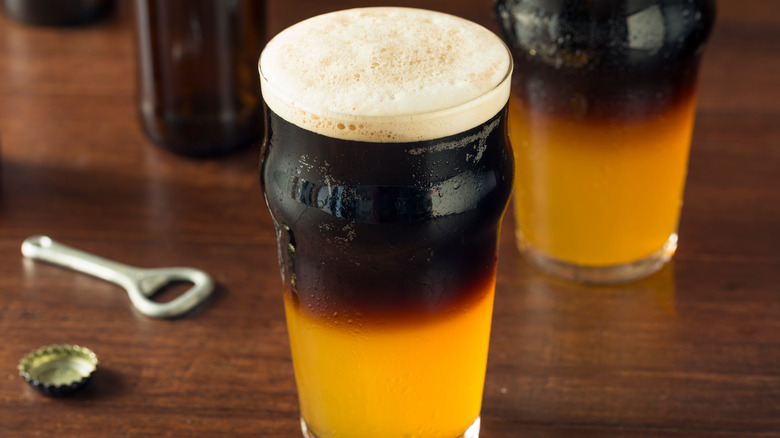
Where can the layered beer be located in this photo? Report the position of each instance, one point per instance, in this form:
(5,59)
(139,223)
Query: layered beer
(386,172)
(601,117)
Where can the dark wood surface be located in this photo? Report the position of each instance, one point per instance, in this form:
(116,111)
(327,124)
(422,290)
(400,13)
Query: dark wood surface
(693,351)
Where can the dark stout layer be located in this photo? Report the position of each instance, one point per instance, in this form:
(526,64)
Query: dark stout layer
(386,230)
(606,59)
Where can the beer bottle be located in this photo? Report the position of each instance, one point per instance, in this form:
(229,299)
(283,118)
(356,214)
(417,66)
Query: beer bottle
(57,12)
(198,91)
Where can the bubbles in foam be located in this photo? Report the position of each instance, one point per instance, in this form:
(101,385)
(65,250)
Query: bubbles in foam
(386,74)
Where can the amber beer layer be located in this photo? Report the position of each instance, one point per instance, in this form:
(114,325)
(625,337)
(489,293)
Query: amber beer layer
(601,117)
(386,172)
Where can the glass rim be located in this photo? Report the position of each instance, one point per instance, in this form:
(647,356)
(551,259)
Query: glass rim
(441,111)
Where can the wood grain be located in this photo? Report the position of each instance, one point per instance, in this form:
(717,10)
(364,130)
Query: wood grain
(693,351)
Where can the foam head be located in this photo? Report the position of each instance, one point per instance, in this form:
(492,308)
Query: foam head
(386,74)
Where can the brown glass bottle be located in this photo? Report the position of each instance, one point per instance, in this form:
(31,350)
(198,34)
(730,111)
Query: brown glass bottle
(57,12)
(198,89)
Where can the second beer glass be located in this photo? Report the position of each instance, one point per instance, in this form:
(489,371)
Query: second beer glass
(601,117)
(386,171)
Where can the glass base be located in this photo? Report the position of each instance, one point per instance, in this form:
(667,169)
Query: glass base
(471,432)
(599,275)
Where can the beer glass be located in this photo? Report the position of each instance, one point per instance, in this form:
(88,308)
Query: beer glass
(386,172)
(601,115)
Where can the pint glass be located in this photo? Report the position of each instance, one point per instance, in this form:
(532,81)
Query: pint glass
(600,120)
(386,172)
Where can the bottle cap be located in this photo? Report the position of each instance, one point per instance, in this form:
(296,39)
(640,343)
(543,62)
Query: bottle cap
(58,370)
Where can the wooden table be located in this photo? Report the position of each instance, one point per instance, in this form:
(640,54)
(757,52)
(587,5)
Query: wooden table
(692,351)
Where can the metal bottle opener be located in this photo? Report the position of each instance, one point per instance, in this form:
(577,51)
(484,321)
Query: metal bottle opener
(140,284)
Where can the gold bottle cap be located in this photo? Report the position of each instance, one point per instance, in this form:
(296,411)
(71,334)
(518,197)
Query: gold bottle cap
(59,370)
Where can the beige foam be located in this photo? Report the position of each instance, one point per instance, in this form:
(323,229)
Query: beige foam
(386,74)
